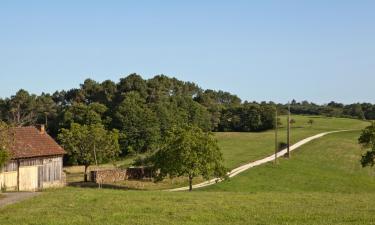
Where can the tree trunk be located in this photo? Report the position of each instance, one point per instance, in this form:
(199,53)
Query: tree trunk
(190,183)
(85,175)
(46,119)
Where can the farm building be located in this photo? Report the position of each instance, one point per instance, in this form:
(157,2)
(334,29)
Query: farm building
(35,162)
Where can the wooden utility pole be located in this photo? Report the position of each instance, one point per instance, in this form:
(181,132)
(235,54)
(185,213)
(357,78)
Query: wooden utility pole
(276,141)
(288,133)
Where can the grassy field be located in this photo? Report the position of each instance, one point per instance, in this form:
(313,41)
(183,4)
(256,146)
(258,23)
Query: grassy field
(100,207)
(241,148)
(330,164)
(237,148)
(323,183)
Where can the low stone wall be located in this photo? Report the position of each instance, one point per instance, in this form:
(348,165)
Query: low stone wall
(108,176)
(115,175)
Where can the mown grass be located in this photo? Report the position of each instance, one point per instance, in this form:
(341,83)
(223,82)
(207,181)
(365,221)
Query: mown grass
(322,183)
(80,206)
(330,164)
(241,148)
(93,206)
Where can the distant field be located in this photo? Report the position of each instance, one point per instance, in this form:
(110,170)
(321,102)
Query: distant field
(323,183)
(330,164)
(240,148)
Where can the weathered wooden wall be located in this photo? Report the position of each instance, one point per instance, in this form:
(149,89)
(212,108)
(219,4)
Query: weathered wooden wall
(8,180)
(52,169)
(28,178)
(10,166)
(34,174)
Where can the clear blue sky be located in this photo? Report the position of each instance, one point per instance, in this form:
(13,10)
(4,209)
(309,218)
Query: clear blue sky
(323,50)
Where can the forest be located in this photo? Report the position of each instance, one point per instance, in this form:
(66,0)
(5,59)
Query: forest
(143,110)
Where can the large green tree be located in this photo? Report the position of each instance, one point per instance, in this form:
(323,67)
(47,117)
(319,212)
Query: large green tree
(138,122)
(46,108)
(22,109)
(367,141)
(89,144)
(189,151)
(93,113)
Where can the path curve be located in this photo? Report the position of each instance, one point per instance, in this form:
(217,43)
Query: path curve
(14,197)
(245,167)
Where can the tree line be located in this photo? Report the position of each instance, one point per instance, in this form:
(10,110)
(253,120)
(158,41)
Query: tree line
(140,111)
(363,111)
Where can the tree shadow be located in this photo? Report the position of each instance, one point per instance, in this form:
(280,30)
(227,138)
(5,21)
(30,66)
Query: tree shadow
(82,184)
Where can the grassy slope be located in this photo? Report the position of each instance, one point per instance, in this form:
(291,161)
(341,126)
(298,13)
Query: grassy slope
(322,184)
(330,164)
(237,148)
(241,148)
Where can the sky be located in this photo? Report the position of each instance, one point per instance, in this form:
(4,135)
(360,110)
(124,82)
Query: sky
(261,50)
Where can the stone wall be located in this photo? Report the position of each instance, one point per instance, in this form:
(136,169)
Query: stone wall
(115,175)
(108,176)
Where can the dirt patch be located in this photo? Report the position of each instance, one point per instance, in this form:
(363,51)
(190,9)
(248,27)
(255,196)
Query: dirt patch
(14,197)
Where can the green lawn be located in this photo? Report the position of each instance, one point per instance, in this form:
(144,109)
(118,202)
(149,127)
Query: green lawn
(322,183)
(100,207)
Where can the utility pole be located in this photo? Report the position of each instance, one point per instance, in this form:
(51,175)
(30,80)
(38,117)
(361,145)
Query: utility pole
(276,141)
(288,132)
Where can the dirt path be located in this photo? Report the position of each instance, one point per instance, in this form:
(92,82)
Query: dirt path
(245,167)
(14,197)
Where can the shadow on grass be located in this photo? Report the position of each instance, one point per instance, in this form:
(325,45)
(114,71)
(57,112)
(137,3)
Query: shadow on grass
(82,184)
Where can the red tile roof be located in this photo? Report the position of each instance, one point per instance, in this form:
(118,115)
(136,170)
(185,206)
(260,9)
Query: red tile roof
(30,142)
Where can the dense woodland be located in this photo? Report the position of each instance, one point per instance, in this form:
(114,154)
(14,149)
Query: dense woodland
(142,111)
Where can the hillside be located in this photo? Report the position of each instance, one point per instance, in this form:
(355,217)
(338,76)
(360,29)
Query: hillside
(323,183)
(330,164)
(240,148)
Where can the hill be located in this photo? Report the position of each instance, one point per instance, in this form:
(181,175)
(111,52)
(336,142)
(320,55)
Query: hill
(323,183)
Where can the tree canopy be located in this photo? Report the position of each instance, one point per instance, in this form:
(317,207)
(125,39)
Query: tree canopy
(89,144)
(191,152)
(144,110)
(367,141)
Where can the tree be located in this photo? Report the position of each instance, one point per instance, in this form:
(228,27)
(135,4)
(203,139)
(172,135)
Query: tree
(22,109)
(46,107)
(84,114)
(310,122)
(355,110)
(133,82)
(6,140)
(89,144)
(138,122)
(367,141)
(188,151)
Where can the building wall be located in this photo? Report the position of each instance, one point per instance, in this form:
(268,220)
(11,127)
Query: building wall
(8,181)
(34,174)
(28,178)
